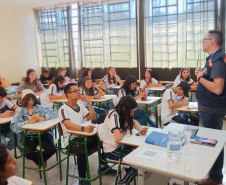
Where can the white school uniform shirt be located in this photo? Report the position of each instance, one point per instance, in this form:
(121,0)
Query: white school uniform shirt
(6,103)
(66,78)
(120,94)
(52,90)
(76,116)
(178,80)
(83,92)
(105,80)
(166,113)
(143,82)
(110,124)
(14,180)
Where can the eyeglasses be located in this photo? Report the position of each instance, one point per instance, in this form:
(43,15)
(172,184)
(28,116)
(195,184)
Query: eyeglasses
(75,91)
(205,39)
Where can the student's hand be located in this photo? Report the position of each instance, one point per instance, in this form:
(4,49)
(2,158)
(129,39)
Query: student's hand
(85,99)
(197,70)
(185,101)
(95,85)
(64,96)
(144,130)
(114,74)
(89,129)
(41,119)
(0,78)
(32,120)
(151,85)
(6,114)
(109,91)
(12,113)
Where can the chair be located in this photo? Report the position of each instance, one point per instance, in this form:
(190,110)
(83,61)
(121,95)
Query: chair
(40,160)
(66,152)
(103,159)
(158,115)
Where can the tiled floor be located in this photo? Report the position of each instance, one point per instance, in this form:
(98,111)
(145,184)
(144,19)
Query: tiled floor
(53,177)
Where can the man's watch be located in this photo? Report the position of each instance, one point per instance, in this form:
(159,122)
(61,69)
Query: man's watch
(82,128)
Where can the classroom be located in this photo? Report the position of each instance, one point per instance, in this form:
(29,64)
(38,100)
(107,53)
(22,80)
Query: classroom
(112,92)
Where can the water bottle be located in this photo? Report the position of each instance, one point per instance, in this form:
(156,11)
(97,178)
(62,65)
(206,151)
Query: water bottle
(174,144)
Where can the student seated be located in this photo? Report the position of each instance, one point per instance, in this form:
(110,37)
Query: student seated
(45,77)
(31,113)
(118,122)
(148,81)
(92,91)
(30,82)
(129,88)
(72,114)
(4,83)
(176,97)
(110,80)
(63,72)
(55,92)
(8,168)
(185,76)
(86,72)
(7,109)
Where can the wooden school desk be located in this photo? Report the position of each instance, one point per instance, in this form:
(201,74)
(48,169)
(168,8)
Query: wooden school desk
(200,163)
(147,102)
(157,89)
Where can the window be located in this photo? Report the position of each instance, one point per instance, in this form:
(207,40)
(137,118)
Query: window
(53,29)
(174,32)
(109,34)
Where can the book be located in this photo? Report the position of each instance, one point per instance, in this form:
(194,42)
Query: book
(159,139)
(204,141)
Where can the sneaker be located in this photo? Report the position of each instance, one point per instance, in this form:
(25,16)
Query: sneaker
(111,172)
(128,178)
(83,182)
(209,181)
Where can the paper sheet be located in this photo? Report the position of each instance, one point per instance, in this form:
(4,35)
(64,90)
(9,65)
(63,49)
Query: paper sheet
(154,155)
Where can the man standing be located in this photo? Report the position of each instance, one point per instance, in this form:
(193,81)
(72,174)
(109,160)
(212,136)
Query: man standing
(211,95)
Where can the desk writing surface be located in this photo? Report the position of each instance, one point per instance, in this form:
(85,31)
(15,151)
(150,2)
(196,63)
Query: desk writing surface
(102,99)
(83,133)
(133,140)
(41,126)
(116,87)
(192,107)
(167,82)
(5,120)
(149,100)
(161,88)
(59,101)
(200,162)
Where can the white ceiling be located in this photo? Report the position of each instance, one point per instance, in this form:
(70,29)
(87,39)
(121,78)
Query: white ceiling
(38,3)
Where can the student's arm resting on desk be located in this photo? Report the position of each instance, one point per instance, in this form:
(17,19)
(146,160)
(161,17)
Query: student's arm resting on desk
(119,135)
(137,126)
(53,97)
(100,92)
(71,126)
(183,102)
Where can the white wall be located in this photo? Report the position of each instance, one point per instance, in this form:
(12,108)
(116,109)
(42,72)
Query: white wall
(18,50)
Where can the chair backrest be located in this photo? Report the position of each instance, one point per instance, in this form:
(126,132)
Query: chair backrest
(100,132)
(158,115)
(60,130)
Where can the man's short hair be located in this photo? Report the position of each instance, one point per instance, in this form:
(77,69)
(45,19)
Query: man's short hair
(217,35)
(67,88)
(3,92)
